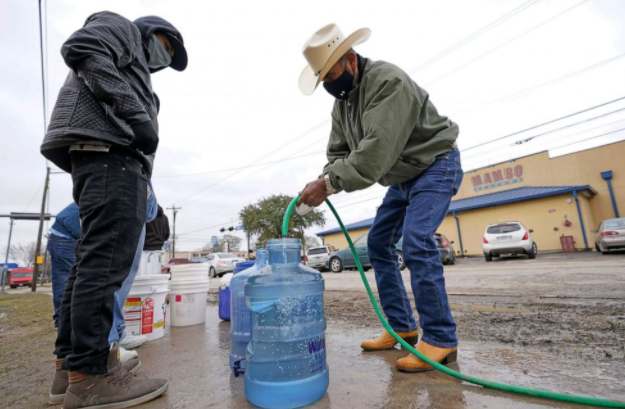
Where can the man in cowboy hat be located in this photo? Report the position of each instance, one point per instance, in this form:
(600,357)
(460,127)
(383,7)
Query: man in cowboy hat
(104,131)
(386,130)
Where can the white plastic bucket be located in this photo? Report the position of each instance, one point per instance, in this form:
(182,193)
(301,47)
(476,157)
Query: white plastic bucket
(145,308)
(150,263)
(194,272)
(187,302)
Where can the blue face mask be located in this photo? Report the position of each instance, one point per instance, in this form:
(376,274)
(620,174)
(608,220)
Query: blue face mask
(159,57)
(340,87)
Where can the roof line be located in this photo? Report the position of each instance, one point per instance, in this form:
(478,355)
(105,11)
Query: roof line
(556,190)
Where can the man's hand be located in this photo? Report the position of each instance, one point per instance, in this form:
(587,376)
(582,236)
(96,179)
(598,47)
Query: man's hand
(313,194)
(146,139)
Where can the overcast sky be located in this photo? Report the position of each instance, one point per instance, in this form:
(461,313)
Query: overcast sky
(238,102)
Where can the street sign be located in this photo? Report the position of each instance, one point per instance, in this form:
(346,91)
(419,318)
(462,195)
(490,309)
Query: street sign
(214,240)
(39,260)
(240,227)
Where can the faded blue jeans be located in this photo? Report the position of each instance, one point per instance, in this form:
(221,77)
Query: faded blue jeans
(416,209)
(62,257)
(118,330)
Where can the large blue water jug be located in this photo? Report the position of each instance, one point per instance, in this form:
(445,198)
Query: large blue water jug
(286,358)
(241,322)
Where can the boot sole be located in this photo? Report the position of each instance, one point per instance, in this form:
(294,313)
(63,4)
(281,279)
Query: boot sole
(132,402)
(449,359)
(410,340)
(58,399)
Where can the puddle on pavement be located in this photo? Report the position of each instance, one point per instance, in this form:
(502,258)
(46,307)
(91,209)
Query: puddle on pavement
(195,361)
(490,308)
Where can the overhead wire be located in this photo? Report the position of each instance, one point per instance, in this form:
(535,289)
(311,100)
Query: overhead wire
(456,46)
(473,36)
(505,43)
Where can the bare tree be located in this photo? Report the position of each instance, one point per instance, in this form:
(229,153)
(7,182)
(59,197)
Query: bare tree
(24,254)
(311,241)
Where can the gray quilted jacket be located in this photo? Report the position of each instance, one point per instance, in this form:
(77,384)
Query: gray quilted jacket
(107,89)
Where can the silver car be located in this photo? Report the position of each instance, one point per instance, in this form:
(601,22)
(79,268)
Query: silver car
(316,257)
(610,235)
(222,263)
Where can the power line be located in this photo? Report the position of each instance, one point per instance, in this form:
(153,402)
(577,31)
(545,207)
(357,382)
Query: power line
(505,43)
(523,154)
(524,141)
(246,177)
(473,36)
(420,67)
(517,94)
(545,123)
(238,168)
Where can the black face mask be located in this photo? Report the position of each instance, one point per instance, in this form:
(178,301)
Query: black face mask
(340,87)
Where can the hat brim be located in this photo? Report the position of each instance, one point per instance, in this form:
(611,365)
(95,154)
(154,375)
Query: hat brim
(308,81)
(180,60)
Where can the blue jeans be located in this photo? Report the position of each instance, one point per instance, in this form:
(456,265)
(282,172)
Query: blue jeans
(118,330)
(62,258)
(416,209)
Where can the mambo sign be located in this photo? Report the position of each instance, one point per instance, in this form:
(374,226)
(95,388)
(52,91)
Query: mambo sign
(497,178)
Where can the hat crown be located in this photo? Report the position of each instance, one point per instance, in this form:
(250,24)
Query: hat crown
(322,45)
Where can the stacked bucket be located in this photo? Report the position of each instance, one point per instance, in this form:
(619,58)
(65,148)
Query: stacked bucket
(188,290)
(146,306)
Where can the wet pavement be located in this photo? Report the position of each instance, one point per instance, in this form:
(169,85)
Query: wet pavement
(195,360)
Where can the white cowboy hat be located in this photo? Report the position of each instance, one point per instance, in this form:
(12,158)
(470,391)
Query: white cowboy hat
(323,50)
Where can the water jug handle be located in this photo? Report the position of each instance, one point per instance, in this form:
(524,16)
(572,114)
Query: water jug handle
(236,368)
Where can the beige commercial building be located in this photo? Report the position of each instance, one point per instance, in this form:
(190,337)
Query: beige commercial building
(563,196)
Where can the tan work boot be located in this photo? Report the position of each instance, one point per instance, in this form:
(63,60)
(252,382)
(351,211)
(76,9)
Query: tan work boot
(118,388)
(61,381)
(411,363)
(386,341)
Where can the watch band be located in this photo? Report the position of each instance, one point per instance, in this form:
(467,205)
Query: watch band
(329,188)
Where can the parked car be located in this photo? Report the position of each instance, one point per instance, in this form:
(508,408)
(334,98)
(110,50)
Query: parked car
(21,276)
(610,235)
(508,238)
(173,261)
(448,254)
(222,263)
(316,257)
(343,259)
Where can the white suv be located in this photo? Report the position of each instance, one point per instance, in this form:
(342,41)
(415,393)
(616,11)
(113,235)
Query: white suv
(508,238)
(316,257)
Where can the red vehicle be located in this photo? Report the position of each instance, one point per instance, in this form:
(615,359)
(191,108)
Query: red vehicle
(172,262)
(21,276)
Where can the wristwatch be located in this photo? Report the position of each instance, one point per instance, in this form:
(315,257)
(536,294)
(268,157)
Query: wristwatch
(329,188)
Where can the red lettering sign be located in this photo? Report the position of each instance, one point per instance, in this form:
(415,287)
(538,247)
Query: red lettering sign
(518,171)
(477,180)
(497,176)
(487,179)
(509,174)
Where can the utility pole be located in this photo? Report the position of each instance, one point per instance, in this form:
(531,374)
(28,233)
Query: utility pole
(42,217)
(6,260)
(173,244)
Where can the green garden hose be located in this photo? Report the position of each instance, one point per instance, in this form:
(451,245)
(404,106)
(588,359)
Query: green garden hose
(538,393)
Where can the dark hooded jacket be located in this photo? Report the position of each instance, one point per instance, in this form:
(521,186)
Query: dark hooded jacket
(156,231)
(107,90)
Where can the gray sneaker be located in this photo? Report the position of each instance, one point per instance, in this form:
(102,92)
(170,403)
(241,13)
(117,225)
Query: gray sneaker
(61,381)
(118,388)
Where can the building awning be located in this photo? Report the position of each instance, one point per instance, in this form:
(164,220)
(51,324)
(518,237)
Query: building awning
(520,194)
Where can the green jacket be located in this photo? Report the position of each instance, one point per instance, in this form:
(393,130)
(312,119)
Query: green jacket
(388,131)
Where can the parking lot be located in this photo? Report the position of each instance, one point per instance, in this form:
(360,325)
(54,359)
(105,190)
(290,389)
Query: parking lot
(557,322)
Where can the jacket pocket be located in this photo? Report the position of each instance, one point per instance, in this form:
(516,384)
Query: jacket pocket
(415,164)
(64,107)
